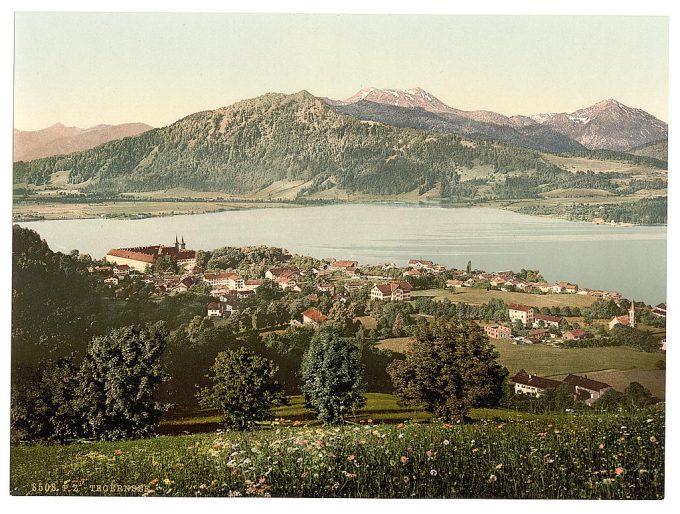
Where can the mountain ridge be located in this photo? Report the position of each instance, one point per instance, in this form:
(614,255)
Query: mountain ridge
(58,139)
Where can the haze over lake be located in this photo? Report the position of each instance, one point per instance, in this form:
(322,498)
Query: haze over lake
(631,260)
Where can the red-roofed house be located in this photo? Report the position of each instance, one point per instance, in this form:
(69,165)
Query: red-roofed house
(628,321)
(576,335)
(228,279)
(392,291)
(348,266)
(548,320)
(313,316)
(454,283)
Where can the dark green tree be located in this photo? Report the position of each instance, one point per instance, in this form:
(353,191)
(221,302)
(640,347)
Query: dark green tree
(118,382)
(451,368)
(243,387)
(332,376)
(43,405)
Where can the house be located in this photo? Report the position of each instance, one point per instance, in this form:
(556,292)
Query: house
(660,310)
(138,258)
(543,287)
(313,316)
(528,383)
(548,320)
(183,285)
(273,273)
(111,281)
(228,279)
(288,280)
(222,308)
(576,335)
(326,287)
(420,264)
(392,291)
(497,281)
(593,388)
(454,283)
(564,287)
(121,270)
(345,266)
(662,345)
(214,309)
(626,320)
(523,313)
(353,286)
(251,285)
(497,331)
(415,273)
(538,335)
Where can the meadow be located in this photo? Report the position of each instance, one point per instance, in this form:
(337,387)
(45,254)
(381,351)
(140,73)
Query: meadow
(481,296)
(500,454)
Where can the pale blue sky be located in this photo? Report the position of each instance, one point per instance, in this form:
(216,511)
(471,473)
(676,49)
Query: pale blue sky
(85,69)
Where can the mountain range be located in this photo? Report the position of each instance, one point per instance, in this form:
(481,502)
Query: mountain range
(605,125)
(378,142)
(58,139)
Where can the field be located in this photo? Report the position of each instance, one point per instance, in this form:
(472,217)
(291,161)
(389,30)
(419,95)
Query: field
(481,296)
(623,365)
(498,455)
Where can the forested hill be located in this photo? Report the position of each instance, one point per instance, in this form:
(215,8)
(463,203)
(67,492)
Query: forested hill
(250,144)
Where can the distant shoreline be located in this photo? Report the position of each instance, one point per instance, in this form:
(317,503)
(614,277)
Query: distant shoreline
(31,210)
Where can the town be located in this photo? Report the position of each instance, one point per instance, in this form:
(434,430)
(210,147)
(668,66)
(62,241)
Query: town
(173,269)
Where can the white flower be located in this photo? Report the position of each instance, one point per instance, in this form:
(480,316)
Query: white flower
(433,472)
(445,442)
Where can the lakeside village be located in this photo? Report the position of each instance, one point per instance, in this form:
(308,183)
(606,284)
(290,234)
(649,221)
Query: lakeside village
(340,280)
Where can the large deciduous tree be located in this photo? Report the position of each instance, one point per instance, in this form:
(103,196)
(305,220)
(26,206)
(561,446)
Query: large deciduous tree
(243,387)
(332,376)
(119,379)
(451,368)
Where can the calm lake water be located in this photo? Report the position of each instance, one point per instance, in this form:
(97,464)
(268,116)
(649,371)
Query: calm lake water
(631,260)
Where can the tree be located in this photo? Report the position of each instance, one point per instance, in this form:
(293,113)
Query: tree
(118,381)
(165,263)
(332,376)
(636,396)
(243,387)
(43,407)
(451,368)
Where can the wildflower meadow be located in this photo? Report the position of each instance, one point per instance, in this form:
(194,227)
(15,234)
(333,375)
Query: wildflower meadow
(604,456)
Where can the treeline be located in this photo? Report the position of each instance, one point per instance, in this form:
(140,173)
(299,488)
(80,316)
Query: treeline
(646,211)
(613,155)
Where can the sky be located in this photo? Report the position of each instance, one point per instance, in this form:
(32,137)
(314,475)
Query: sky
(83,69)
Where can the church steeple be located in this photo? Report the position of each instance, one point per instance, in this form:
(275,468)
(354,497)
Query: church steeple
(183,245)
(631,314)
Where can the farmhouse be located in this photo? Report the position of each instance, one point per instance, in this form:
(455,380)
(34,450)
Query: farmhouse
(274,273)
(313,316)
(252,285)
(532,384)
(523,313)
(548,320)
(138,258)
(415,273)
(593,388)
(454,283)
(660,310)
(183,285)
(538,335)
(576,335)
(497,331)
(393,291)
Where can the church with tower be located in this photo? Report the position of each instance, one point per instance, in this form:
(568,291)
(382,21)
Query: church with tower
(627,320)
(138,258)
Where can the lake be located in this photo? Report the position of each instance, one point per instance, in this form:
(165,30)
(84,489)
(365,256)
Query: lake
(631,260)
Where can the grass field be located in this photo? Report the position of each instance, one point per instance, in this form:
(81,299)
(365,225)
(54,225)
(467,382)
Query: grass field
(499,455)
(481,296)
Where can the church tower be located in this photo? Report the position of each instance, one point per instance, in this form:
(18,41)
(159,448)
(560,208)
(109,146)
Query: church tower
(183,245)
(176,243)
(631,314)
